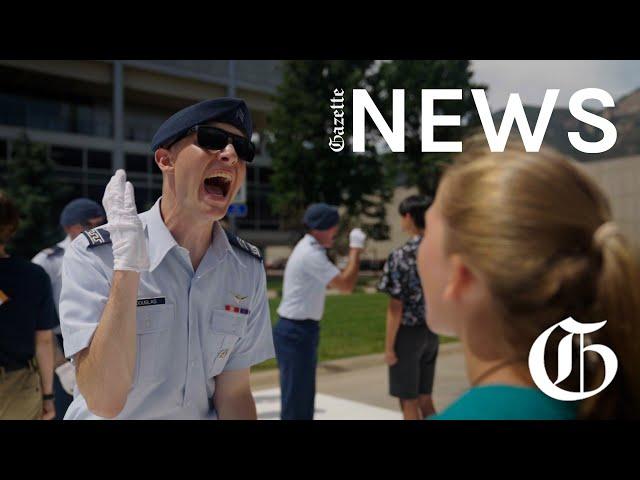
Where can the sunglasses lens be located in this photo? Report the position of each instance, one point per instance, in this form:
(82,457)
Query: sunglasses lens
(244,149)
(212,139)
(215,139)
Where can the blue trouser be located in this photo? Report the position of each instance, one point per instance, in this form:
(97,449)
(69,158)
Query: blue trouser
(296,344)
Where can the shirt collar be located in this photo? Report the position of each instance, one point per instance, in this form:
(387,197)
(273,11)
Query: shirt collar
(415,240)
(311,240)
(161,241)
(221,242)
(64,243)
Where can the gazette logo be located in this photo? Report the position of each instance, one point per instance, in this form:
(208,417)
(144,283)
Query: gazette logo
(539,372)
(336,143)
(497,136)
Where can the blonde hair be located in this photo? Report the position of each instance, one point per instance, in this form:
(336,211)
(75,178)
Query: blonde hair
(541,234)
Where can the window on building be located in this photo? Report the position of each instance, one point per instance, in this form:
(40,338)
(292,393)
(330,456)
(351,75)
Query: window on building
(55,115)
(265,176)
(49,115)
(156,193)
(137,163)
(268,221)
(12,110)
(140,126)
(96,191)
(66,157)
(99,159)
(102,122)
(74,190)
(143,196)
(251,173)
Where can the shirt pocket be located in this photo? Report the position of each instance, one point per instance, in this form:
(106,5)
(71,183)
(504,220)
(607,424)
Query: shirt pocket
(152,342)
(225,329)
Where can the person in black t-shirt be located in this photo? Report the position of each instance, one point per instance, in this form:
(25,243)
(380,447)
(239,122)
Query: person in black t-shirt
(27,318)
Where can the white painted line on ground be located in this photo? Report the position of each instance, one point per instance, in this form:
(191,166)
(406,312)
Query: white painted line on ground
(328,407)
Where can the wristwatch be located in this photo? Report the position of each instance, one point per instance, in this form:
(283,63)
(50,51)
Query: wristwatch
(48,396)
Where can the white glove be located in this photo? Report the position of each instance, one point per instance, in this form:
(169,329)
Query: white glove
(357,238)
(67,376)
(127,232)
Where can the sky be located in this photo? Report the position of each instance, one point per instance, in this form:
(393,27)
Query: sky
(531,78)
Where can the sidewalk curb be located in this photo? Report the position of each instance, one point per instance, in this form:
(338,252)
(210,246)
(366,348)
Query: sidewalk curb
(329,367)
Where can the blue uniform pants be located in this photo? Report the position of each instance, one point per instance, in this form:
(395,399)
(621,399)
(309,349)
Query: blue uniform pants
(296,345)
(63,399)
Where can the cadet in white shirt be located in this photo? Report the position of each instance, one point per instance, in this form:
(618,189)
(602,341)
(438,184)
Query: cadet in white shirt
(164,313)
(306,276)
(77,216)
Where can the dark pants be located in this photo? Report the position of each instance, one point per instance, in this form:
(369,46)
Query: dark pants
(63,399)
(296,344)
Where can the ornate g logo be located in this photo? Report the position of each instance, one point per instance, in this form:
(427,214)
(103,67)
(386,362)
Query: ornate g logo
(539,372)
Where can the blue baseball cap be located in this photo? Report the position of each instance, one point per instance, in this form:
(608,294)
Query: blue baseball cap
(233,111)
(320,216)
(79,211)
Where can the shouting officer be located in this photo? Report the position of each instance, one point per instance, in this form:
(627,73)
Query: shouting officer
(77,216)
(164,313)
(306,276)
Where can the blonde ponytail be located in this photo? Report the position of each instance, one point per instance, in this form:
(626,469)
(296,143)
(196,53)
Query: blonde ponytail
(540,231)
(618,302)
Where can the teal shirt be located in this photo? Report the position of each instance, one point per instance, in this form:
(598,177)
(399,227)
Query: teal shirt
(506,402)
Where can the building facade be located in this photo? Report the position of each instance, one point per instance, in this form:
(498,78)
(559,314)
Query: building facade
(97,116)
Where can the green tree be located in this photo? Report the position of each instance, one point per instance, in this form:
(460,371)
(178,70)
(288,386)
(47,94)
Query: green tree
(29,181)
(305,169)
(417,168)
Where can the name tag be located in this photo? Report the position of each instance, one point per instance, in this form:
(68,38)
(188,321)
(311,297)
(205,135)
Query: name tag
(143,302)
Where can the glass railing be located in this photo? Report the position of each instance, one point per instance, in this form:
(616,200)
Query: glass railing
(54,115)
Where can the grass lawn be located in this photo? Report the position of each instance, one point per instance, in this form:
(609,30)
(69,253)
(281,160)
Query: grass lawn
(352,325)
(275,283)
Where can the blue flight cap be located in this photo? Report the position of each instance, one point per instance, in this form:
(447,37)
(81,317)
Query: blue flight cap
(79,211)
(228,110)
(320,216)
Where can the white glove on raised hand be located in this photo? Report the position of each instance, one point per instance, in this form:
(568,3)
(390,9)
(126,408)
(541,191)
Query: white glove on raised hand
(127,232)
(357,238)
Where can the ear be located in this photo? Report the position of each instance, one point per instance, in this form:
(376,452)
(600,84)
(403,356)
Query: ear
(461,280)
(164,160)
(410,220)
(74,230)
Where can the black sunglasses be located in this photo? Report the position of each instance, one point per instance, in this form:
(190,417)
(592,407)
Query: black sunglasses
(213,138)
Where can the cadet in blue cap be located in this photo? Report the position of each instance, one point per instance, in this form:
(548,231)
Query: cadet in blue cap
(164,313)
(77,216)
(306,276)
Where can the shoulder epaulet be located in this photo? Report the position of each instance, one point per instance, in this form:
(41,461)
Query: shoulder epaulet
(243,245)
(97,237)
(55,250)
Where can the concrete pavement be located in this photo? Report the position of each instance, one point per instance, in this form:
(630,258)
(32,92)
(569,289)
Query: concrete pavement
(358,387)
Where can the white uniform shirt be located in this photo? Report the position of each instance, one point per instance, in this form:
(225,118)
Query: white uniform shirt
(51,260)
(306,276)
(188,331)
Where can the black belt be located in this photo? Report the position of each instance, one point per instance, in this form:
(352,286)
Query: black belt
(18,366)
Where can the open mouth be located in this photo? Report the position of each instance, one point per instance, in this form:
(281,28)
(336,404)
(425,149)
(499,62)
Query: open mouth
(218,184)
